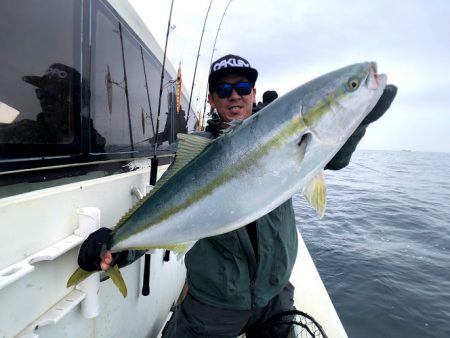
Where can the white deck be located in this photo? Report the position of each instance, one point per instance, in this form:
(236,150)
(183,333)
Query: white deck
(311,296)
(34,271)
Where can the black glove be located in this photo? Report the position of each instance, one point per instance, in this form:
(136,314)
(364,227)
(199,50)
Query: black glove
(342,157)
(97,243)
(382,105)
(92,248)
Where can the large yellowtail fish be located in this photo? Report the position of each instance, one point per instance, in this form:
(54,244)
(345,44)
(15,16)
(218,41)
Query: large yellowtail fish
(216,186)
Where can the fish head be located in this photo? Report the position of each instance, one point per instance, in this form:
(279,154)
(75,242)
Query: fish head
(337,102)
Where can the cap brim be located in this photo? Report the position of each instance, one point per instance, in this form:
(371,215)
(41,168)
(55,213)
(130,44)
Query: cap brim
(250,73)
(34,80)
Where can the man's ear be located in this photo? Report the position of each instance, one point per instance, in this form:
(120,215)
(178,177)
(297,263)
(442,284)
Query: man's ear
(211,100)
(254,95)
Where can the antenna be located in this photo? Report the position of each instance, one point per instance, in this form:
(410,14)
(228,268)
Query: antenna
(196,62)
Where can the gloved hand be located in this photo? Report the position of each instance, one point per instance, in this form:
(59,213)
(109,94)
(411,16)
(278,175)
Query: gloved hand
(97,245)
(383,104)
(91,250)
(342,157)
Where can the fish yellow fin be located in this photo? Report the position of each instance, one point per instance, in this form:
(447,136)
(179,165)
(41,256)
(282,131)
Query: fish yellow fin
(114,273)
(78,276)
(181,248)
(316,193)
(116,277)
(189,147)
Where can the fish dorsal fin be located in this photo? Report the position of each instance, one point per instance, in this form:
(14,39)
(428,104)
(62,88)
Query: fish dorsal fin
(189,146)
(316,193)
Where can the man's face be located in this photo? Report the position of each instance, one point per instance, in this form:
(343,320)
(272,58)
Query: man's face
(56,104)
(234,107)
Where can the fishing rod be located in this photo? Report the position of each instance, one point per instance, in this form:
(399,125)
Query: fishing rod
(161,85)
(210,61)
(154,160)
(368,168)
(148,94)
(196,62)
(126,88)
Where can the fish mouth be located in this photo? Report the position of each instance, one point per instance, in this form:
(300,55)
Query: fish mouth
(375,80)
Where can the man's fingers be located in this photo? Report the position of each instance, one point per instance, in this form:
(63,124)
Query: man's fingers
(106,261)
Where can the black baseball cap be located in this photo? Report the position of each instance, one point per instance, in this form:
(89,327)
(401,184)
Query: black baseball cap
(230,64)
(56,75)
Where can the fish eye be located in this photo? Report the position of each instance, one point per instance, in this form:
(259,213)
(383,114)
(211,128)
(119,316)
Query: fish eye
(353,84)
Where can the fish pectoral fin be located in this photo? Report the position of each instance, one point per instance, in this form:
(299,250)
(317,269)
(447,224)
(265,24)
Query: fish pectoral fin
(78,276)
(316,193)
(117,279)
(303,143)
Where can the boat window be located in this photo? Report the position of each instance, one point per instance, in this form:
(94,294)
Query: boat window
(75,91)
(125,88)
(40,81)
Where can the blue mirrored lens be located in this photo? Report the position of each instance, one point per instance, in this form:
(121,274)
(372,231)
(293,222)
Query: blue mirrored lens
(225,89)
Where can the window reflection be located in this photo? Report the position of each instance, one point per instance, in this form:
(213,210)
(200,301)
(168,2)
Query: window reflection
(59,93)
(47,104)
(39,77)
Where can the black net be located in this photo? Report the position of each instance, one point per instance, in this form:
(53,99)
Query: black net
(290,324)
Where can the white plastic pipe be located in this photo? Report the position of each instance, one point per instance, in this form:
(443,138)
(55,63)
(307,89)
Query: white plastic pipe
(89,221)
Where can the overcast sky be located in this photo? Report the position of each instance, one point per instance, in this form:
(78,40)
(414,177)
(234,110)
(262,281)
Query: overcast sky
(293,41)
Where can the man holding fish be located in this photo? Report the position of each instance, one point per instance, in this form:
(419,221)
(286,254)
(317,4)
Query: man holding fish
(237,280)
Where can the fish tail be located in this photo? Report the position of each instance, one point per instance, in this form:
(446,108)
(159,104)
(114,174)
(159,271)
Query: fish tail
(116,277)
(78,276)
(114,273)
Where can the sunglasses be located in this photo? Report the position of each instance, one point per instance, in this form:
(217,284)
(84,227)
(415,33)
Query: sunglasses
(225,89)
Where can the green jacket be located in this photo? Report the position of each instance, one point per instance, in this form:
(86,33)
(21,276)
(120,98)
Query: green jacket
(223,270)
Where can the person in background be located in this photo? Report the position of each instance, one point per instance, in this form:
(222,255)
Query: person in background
(236,281)
(268,97)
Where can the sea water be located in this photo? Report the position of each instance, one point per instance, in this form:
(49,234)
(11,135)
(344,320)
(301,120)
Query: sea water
(383,246)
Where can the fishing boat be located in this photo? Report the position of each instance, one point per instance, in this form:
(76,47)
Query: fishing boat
(86,126)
